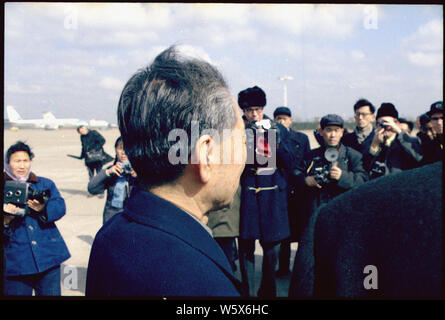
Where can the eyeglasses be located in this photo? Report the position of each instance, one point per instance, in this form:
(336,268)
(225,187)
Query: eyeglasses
(436,118)
(254,109)
(363,114)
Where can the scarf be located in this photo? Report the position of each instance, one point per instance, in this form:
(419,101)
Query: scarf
(119,192)
(362,134)
(8,171)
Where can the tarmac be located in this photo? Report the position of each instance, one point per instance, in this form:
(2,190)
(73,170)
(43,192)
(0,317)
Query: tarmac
(83,216)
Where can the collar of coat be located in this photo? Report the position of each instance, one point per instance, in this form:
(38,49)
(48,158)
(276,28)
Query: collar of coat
(151,210)
(32,177)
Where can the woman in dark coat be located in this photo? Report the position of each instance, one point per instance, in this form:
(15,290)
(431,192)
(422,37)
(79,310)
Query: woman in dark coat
(117,179)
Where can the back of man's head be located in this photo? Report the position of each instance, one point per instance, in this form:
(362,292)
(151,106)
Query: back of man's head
(166,97)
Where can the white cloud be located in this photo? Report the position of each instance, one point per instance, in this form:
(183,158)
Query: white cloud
(425,47)
(116,16)
(322,19)
(111,83)
(23,89)
(357,55)
(425,59)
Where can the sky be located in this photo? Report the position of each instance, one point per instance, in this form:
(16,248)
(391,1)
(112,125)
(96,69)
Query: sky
(73,59)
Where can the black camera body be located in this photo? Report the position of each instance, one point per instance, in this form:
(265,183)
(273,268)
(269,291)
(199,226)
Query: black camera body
(126,169)
(378,170)
(18,193)
(321,171)
(262,139)
(322,166)
(383,124)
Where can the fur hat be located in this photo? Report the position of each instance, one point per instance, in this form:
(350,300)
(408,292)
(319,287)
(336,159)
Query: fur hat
(251,97)
(387,110)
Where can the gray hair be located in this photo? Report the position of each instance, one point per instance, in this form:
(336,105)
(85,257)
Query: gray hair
(167,95)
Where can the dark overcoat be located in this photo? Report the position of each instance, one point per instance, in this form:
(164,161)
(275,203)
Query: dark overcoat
(264,197)
(404,153)
(350,140)
(299,146)
(353,175)
(156,249)
(393,223)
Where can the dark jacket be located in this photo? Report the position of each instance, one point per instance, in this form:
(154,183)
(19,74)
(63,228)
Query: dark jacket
(353,175)
(32,243)
(153,248)
(225,222)
(264,197)
(432,150)
(393,223)
(404,153)
(350,140)
(299,146)
(101,182)
(93,141)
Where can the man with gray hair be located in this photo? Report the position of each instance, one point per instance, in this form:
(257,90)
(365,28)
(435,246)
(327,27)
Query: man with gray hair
(159,245)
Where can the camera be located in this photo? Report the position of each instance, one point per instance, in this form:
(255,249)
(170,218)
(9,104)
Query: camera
(383,124)
(378,170)
(321,171)
(126,169)
(322,166)
(19,193)
(262,139)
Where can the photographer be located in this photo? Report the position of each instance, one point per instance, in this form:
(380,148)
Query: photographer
(433,147)
(117,179)
(323,174)
(263,211)
(392,150)
(33,246)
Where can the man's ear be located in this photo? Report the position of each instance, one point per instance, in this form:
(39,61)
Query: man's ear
(204,153)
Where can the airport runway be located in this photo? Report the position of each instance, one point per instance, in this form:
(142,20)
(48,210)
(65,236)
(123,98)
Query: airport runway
(84,213)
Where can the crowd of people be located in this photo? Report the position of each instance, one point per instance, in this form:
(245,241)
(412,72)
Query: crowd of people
(178,229)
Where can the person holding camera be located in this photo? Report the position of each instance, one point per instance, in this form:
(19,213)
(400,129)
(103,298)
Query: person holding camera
(433,147)
(33,246)
(333,168)
(117,179)
(392,150)
(263,211)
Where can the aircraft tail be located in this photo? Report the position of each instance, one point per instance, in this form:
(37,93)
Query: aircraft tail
(48,116)
(13,115)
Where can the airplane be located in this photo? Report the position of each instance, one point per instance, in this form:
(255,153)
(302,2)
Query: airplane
(50,122)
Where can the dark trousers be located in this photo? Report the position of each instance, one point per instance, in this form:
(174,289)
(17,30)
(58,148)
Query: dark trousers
(94,168)
(284,259)
(228,245)
(46,283)
(271,250)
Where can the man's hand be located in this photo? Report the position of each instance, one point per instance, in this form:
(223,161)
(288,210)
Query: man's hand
(335,172)
(311,182)
(391,125)
(36,205)
(116,169)
(379,137)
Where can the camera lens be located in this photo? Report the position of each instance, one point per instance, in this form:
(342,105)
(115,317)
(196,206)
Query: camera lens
(9,194)
(18,193)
